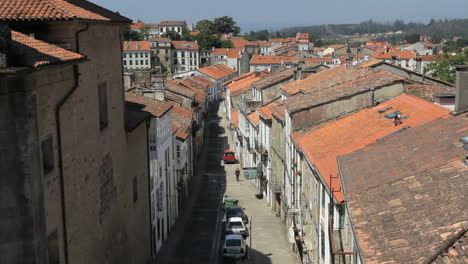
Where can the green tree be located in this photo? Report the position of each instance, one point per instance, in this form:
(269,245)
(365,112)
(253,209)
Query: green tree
(131,35)
(144,31)
(226,25)
(412,37)
(172,35)
(205,25)
(227,44)
(445,69)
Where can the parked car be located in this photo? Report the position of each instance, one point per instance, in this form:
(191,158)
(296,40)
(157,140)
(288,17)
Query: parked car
(235,247)
(236,211)
(229,157)
(235,225)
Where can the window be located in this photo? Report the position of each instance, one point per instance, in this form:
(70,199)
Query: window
(136,62)
(125,62)
(323,197)
(146,62)
(146,55)
(47,148)
(130,55)
(141,62)
(183,61)
(125,55)
(178,151)
(182,54)
(175,53)
(102,97)
(135,190)
(130,62)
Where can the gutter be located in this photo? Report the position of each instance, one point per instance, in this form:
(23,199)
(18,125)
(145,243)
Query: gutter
(59,145)
(148,124)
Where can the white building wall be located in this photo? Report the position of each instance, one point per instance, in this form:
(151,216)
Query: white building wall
(185,60)
(133,60)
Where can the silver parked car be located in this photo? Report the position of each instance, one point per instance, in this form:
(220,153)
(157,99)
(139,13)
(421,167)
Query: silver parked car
(235,225)
(234,247)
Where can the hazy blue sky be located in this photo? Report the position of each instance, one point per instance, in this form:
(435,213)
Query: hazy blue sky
(273,13)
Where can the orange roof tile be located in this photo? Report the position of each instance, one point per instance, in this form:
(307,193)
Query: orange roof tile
(40,53)
(430,58)
(194,33)
(254,118)
(264,44)
(278,109)
(323,145)
(181,120)
(370,62)
(337,46)
(136,45)
(242,43)
(242,85)
(217,71)
(137,25)
(266,111)
(27,10)
(156,107)
(185,45)
(235,118)
(261,60)
(230,53)
(398,53)
(302,36)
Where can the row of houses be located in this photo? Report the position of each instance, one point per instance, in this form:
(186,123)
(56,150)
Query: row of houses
(94,173)
(351,159)
(159,29)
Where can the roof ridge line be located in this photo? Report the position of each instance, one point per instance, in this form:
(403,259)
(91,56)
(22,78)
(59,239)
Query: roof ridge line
(64,11)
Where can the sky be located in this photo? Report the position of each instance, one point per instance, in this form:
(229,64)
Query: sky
(258,14)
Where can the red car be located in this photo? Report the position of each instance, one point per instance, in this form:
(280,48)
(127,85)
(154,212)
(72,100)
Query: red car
(229,157)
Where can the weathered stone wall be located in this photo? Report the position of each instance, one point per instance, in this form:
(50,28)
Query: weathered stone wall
(273,92)
(22,219)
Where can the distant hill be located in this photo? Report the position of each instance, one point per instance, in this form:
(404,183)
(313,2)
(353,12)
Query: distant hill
(440,28)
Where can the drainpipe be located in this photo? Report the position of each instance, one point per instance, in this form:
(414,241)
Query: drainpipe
(148,124)
(59,145)
(372,94)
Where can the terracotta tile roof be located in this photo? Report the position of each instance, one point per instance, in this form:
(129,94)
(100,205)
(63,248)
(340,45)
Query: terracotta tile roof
(242,76)
(242,43)
(430,58)
(266,111)
(302,36)
(407,194)
(204,82)
(177,87)
(264,44)
(278,110)
(427,90)
(254,118)
(235,118)
(230,53)
(331,92)
(394,52)
(194,33)
(198,85)
(36,53)
(262,60)
(181,120)
(327,78)
(456,252)
(274,79)
(217,71)
(172,23)
(31,10)
(136,45)
(282,40)
(243,85)
(156,107)
(337,46)
(168,96)
(370,62)
(137,25)
(185,45)
(323,145)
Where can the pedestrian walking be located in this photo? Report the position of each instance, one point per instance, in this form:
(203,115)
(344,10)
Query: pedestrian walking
(237,174)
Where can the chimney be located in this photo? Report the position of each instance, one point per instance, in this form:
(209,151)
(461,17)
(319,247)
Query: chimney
(5,40)
(418,64)
(298,74)
(461,93)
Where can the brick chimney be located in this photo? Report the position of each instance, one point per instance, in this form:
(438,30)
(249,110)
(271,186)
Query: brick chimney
(5,40)
(461,93)
(298,73)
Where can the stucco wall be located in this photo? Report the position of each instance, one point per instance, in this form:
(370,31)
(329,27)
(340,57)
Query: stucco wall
(342,106)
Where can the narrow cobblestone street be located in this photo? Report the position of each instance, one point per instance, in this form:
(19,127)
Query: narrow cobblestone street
(197,237)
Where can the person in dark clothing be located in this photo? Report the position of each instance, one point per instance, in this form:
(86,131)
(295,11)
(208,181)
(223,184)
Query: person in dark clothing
(237,174)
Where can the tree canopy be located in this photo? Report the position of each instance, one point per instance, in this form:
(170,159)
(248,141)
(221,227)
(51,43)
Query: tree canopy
(226,25)
(172,35)
(131,35)
(445,69)
(412,38)
(205,25)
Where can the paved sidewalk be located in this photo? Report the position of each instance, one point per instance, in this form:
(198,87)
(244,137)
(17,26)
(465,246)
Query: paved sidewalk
(269,241)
